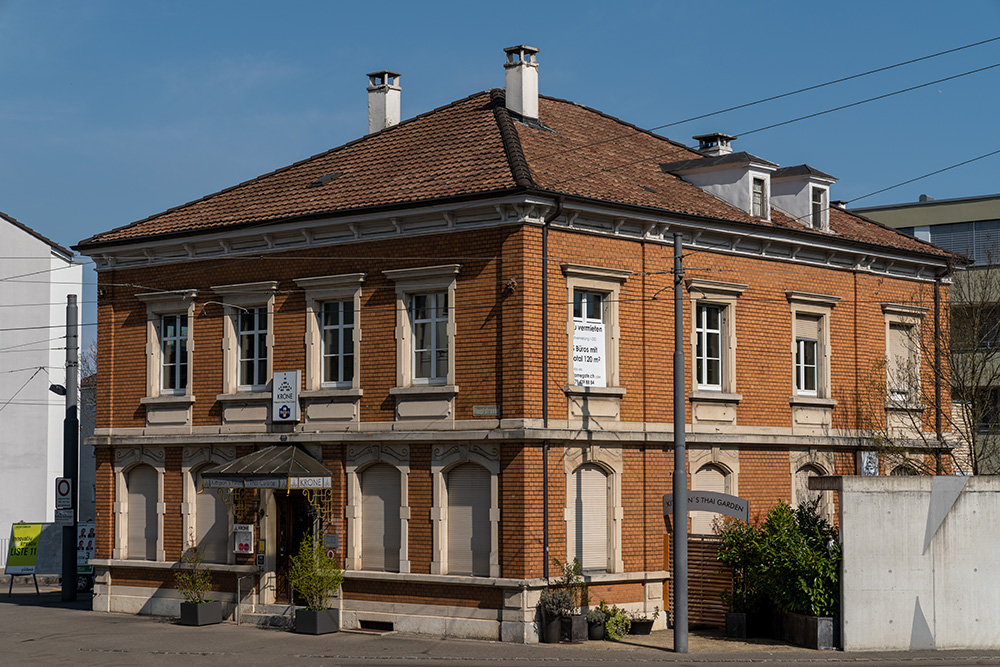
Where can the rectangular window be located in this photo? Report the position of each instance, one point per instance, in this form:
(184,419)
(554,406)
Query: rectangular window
(590,363)
(807,354)
(902,367)
(338,343)
(708,353)
(429,318)
(986,410)
(173,354)
(818,207)
(252,348)
(759,204)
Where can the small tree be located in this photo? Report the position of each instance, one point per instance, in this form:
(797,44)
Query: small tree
(193,580)
(314,575)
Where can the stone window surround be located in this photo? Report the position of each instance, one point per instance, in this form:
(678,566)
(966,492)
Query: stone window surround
(359,458)
(443,459)
(911,316)
(725,295)
(611,461)
(125,459)
(158,304)
(605,281)
(824,462)
(816,305)
(194,459)
(318,290)
(421,280)
(238,298)
(727,459)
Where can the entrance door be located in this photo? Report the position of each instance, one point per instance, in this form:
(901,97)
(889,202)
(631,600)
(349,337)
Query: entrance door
(295,519)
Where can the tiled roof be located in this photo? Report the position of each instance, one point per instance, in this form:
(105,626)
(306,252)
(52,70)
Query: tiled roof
(801,170)
(475,146)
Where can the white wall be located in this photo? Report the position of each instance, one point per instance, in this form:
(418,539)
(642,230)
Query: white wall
(32,311)
(921,557)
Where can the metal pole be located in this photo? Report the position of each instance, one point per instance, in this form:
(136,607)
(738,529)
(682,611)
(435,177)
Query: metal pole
(680,580)
(71,447)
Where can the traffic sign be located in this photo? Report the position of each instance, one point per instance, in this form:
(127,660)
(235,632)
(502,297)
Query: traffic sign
(64,493)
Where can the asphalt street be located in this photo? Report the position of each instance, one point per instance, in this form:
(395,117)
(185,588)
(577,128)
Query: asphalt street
(42,630)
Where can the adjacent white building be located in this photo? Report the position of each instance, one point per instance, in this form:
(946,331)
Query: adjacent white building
(36,275)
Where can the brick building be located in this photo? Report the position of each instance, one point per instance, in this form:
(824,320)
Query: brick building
(477,303)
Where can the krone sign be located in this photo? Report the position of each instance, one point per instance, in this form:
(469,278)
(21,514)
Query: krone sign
(285,397)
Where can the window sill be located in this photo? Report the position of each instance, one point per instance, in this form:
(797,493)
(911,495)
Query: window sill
(245,397)
(331,392)
(813,401)
(604,392)
(715,396)
(168,399)
(167,565)
(425,390)
(904,407)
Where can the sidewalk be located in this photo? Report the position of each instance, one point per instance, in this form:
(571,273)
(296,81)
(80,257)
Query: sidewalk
(42,630)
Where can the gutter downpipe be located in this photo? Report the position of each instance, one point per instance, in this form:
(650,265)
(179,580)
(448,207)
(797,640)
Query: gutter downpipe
(545,382)
(937,374)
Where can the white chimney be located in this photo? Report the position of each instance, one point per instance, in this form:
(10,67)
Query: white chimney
(716,144)
(383,100)
(522,80)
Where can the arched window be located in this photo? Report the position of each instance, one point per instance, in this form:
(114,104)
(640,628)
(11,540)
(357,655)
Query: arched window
(469,528)
(211,523)
(904,470)
(380,525)
(142,484)
(587,528)
(708,478)
(802,492)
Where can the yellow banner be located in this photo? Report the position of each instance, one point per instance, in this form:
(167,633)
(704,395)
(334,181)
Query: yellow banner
(23,548)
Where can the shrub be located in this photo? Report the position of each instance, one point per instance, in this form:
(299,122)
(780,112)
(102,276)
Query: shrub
(314,576)
(193,580)
(617,624)
(556,603)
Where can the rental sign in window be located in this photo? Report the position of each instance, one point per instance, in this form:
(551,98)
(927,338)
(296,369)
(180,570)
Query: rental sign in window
(589,364)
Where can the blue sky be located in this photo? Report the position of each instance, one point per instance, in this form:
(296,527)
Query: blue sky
(112,110)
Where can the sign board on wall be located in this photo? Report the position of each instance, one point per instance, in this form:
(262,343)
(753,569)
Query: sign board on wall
(285,397)
(243,538)
(589,358)
(710,501)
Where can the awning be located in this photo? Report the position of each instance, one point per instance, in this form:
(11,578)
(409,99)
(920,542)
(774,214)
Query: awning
(277,467)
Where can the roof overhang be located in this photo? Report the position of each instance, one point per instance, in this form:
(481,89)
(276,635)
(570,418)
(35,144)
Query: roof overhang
(283,467)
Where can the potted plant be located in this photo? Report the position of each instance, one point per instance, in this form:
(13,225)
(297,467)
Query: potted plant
(617,624)
(194,581)
(575,621)
(642,623)
(315,577)
(595,621)
(555,604)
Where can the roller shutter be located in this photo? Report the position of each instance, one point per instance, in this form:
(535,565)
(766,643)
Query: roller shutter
(469,520)
(380,525)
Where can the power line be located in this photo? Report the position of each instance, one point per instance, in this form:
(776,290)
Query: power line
(39,370)
(938,171)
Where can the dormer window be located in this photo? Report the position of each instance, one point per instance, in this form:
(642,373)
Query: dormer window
(819,208)
(758,208)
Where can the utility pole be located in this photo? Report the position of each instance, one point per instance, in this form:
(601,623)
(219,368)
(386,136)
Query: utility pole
(71,448)
(680,580)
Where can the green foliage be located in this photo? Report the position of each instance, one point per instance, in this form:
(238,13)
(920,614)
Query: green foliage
(556,602)
(617,624)
(643,616)
(598,614)
(193,580)
(572,581)
(790,561)
(314,576)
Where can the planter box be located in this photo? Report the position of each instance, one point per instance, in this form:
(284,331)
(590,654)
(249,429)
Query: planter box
(551,629)
(641,627)
(595,631)
(816,632)
(320,622)
(574,628)
(736,625)
(201,613)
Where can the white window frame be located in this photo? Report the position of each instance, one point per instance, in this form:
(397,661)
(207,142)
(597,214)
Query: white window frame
(724,296)
(819,306)
(443,459)
(159,305)
(609,459)
(764,212)
(606,282)
(255,333)
(704,333)
(125,459)
(422,280)
(360,457)
(432,320)
(910,317)
(318,292)
(821,221)
(238,299)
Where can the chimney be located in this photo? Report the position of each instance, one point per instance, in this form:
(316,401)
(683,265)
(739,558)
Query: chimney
(383,100)
(715,144)
(522,81)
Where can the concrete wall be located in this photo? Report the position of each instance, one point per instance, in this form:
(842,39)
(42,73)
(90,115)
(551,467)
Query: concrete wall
(920,561)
